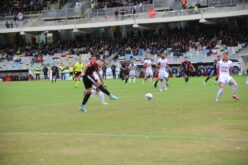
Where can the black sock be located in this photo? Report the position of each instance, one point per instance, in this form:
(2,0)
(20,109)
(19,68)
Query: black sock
(86,98)
(104,90)
(126,80)
(156,83)
(216,78)
(186,79)
(207,79)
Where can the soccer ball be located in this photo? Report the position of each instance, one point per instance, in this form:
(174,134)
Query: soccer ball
(148,96)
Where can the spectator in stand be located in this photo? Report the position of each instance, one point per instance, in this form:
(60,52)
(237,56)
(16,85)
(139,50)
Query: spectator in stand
(7,24)
(122,13)
(133,11)
(78,4)
(116,15)
(184,4)
(11,24)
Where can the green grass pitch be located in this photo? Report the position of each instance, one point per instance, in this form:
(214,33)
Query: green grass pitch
(40,123)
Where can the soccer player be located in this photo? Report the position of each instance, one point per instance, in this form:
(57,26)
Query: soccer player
(125,71)
(89,80)
(225,68)
(148,69)
(133,68)
(78,67)
(214,71)
(187,68)
(55,72)
(163,74)
(96,90)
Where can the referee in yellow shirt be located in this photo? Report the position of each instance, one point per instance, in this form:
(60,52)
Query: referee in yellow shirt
(78,67)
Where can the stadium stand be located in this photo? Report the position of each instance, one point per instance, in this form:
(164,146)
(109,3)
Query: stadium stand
(198,45)
(28,6)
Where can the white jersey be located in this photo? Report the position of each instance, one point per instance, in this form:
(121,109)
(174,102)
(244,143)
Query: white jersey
(148,62)
(163,64)
(224,68)
(133,67)
(162,73)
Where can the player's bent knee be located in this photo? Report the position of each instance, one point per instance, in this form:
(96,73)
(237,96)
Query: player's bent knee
(222,85)
(234,83)
(98,84)
(88,90)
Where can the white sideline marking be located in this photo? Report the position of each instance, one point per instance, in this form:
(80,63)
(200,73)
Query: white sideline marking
(145,136)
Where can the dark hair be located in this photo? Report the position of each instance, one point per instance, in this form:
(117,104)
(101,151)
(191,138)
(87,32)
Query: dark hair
(225,53)
(102,60)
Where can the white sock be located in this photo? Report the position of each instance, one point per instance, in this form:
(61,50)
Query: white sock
(165,84)
(219,94)
(134,79)
(93,91)
(235,87)
(101,97)
(161,85)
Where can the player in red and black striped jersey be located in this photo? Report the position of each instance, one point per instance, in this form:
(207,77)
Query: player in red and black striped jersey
(214,71)
(125,71)
(89,80)
(187,68)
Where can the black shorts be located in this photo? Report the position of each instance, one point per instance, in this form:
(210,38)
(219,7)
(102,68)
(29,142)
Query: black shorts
(213,72)
(77,74)
(125,73)
(89,81)
(186,72)
(54,74)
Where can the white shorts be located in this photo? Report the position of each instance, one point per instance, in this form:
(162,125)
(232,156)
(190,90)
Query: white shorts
(162,74)
(225,80)
(132,73)
(148,73)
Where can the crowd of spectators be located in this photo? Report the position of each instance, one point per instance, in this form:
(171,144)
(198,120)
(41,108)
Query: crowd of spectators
(177,41)
(26,6)
(117,3)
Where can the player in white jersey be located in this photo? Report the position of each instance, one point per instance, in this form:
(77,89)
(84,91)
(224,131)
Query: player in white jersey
(225,67)
(148,69)
(96,91)
(132,73)
(163,74)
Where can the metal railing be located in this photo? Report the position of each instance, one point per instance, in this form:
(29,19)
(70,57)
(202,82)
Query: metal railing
(126,9)
(61,13)
(171,4)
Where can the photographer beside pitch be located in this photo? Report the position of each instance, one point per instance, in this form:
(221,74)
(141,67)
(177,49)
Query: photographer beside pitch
(89,80)
(225,68)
